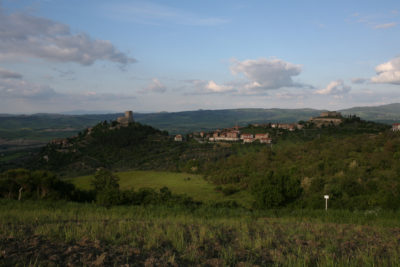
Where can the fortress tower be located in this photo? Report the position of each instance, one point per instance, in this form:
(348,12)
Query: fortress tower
(128,118)
(129,115)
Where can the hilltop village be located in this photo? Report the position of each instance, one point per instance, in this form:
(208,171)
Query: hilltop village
(237,134)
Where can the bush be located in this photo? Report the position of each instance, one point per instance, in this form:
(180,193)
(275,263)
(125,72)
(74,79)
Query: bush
(230,190)
(108,197)
(25,184)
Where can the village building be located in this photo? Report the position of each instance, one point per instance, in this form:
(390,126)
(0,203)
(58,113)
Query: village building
(60,141)
(248,140)
(396,127)
(225,136)
(178,138)
(246,136)
(265,140)
(232,134)
(263,135)
(287,126)
(216,133)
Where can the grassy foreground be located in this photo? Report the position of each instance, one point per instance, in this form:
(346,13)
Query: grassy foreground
(62,233)
(179,183)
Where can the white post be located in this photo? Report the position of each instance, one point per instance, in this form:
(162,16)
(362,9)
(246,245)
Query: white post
(326,202)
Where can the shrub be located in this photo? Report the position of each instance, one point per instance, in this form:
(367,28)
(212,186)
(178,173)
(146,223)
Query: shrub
(230,190)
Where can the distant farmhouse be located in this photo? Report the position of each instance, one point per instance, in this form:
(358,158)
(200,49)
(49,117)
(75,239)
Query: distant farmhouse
(327,118)
(396,127)
(178,138)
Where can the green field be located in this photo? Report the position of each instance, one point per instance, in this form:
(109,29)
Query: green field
(195,187)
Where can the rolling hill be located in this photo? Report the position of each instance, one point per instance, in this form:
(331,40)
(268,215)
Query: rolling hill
(44,127)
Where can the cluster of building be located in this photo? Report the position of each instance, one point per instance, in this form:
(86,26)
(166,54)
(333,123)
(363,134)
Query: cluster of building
(229,135)
(234,135)
(328,118)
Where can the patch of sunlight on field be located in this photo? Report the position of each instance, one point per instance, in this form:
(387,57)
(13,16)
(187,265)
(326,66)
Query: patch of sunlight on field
(195,187)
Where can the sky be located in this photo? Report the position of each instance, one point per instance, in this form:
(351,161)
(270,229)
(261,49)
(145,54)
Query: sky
(153,56)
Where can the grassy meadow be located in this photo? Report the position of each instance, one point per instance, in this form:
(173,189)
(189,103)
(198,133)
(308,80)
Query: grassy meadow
(84,234)
(179,183)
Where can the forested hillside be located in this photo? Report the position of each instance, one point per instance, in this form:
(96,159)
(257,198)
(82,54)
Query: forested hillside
(120,148)
(356,163)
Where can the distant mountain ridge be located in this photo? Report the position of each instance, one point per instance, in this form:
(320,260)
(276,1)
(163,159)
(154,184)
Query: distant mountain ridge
(36,126)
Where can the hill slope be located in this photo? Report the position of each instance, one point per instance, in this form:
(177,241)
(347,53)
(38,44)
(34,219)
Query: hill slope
(385,114)
(108,145)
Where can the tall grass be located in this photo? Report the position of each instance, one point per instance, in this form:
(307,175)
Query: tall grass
(210,235)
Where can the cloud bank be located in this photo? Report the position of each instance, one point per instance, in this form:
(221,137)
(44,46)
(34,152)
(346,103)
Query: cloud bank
(260,76)
(264,74)
(23,35)
(6,74)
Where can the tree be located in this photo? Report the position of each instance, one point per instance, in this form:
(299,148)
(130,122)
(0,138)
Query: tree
(104,179)
(275,190)
(106,187)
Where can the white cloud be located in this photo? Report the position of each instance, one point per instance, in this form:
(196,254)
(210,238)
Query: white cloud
(6,74)
(264,74)
(388,72)
(334,88)
(260,75)
(23,35)
(155,86)
(385,25)
(211,87)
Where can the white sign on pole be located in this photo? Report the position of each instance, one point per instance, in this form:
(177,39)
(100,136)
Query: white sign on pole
(326,201)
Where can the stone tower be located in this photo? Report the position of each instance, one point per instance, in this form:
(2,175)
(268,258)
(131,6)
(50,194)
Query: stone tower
(129,115)
(128,118)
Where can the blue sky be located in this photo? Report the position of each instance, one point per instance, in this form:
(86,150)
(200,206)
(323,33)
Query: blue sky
(59,55)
